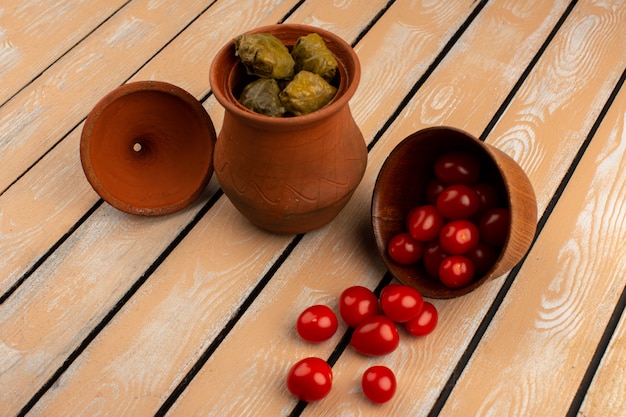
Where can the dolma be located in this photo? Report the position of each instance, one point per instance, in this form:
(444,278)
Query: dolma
(261,96)
(310,53)
(264,55)
(306,93)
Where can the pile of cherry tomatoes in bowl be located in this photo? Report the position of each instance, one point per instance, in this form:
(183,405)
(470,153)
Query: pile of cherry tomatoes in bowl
(459,232)
(374,322)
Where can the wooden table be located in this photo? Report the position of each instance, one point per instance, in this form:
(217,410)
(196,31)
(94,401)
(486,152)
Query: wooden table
(106,313)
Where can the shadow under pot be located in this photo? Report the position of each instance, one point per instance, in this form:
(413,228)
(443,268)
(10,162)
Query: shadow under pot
(288,174)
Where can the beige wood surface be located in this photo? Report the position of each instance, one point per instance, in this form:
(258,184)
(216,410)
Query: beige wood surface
(103,313)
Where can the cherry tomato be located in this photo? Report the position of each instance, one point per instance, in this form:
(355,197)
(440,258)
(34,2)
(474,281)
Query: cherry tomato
(488,197)
(458,237)
(433,189)
(424,223)
(433,255)
(425,322)
(404,249)
(401,303)
(494,226)
(458,202)
(457,168)
(378,384)
(310,379)
(375,336)
(317,323)
(356,304)
(483,256)
(456,271)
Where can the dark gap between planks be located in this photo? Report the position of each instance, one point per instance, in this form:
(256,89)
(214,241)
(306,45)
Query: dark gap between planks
(57,59)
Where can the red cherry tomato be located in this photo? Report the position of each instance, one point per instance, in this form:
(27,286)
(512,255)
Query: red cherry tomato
(317,323)
(404,249)
(433,189)
(424,223)
(457,168)
(378,384)
(310,379)
(433,255)
(375,336)
(458,202)
(458,237)
(494,226)
(425,322)
(356,304)
(483,256)
(401,303)
(488,197)
(456,271)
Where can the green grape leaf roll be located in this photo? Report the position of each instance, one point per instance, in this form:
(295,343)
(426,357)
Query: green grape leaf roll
(310,53)
(264,55)
(261,96)
(306,93)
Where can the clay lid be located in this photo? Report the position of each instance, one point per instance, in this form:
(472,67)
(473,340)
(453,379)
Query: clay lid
(147,148)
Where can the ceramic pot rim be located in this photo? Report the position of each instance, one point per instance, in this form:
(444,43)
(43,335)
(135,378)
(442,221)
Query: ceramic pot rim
(219,78)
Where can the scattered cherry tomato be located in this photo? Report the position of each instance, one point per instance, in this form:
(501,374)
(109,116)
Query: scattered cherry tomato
(456,271)
(433,255)
(378,384)
(488,197)
(425,322)
(310,379)
(375,336)
(356,304)
(458,237)
(457,168)
(317,323)
(494,226)
(433,189)
(401,303)
(483,256)
(404,249)
(458,202)
(424,223)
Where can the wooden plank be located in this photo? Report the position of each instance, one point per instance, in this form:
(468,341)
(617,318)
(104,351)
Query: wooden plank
(547,330)
(42,205)
(196,274)
(263,345)
(606,393)
(52,105)
(98,264)
(340,259)
(53,29)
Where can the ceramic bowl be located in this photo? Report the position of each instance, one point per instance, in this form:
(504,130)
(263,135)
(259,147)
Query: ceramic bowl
(147,148)
(401,186)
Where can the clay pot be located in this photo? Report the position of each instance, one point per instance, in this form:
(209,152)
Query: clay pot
(401,186)
(147,148)
(293,174)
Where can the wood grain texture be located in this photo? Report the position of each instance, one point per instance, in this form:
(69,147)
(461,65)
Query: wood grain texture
(128,250)
(545,333)
(211,262)
(34,214)
(37,118)
(32,37)
(606,394)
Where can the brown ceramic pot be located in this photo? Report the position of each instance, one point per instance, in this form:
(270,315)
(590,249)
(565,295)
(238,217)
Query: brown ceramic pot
(147,147)
(401,186)
(294,174)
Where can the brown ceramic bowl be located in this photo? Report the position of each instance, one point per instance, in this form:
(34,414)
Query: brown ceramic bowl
(147,148)
(401,186)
